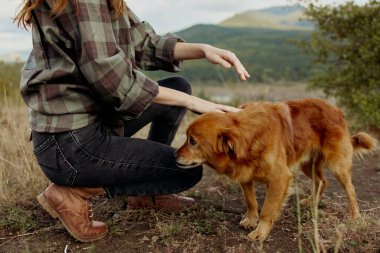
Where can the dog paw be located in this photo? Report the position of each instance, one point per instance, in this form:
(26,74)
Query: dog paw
(258,234)
(248,222)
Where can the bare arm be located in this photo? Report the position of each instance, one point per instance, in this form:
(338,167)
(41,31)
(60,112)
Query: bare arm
(168,96)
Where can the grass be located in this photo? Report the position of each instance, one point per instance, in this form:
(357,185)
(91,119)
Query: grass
(17,219)
(20,176)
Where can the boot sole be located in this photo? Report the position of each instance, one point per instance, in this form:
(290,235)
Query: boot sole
(53,213)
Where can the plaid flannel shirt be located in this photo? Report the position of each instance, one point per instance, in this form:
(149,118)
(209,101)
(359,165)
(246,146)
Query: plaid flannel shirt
(84,66)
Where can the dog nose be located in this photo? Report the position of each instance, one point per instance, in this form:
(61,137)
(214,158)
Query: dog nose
(175,155)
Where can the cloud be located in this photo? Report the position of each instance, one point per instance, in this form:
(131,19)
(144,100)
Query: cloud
(14,42)
(9,8)
(174,15)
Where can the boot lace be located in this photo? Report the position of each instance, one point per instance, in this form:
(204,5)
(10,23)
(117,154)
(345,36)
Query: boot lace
(91,211)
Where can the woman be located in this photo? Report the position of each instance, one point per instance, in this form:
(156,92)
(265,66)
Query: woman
(87,98)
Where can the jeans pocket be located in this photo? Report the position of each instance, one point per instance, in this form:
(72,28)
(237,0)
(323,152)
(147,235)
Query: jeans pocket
(54,164)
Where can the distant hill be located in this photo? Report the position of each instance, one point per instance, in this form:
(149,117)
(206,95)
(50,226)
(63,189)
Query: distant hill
(280,18)
(262,41)
(14,56)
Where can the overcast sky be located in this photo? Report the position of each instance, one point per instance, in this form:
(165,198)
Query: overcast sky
(164,15)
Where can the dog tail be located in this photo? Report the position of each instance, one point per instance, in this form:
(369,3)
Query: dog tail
(363,143)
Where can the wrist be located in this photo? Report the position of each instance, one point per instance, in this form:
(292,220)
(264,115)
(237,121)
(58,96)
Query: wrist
(187,101)
(204,48)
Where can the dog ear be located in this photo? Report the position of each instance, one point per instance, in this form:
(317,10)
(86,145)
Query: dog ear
(225,143)
(232,144)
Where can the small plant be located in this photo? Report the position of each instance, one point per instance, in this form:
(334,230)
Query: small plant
(204,227)
(17,219)
(169,228)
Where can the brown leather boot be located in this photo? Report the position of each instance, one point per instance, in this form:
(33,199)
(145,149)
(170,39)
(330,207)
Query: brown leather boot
(71,206)
(170,202)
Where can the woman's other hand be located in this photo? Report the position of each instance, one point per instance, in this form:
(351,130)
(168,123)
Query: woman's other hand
(188,51)
(225,58)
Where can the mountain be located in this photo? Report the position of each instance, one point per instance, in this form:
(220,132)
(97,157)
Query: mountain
(279,18)
(267,54)
(262,39)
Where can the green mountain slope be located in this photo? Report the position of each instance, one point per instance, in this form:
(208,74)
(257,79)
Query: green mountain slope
(267,54)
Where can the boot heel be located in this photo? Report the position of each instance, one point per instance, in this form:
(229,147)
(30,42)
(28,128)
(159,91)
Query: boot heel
(46,206)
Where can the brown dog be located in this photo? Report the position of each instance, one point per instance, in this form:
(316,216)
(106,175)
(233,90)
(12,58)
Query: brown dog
(264,141)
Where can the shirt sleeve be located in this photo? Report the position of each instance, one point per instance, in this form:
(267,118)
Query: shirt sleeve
(153,52)
(106,67)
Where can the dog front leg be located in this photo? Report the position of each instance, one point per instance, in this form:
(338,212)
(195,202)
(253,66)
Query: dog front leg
(276,193)
(251,217)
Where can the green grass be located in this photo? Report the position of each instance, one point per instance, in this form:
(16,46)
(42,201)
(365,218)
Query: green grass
(17,219)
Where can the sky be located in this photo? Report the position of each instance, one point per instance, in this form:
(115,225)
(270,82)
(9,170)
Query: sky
(164,15)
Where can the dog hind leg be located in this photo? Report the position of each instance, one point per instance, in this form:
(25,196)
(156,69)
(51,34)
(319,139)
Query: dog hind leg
(342,171)
(339,161)
(317,164)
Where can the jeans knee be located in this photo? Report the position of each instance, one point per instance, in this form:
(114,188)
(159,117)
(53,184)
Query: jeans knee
(183,85)
(177,83)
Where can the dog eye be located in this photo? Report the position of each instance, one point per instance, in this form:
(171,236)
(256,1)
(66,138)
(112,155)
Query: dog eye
(192,141)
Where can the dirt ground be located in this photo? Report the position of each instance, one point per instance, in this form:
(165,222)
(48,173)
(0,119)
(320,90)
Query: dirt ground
(213,225)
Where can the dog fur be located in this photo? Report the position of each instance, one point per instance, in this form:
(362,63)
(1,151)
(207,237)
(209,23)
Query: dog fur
(264,141)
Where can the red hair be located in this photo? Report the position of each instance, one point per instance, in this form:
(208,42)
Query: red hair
(24,17)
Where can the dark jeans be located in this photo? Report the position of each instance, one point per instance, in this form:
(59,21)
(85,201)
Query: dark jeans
(92,157)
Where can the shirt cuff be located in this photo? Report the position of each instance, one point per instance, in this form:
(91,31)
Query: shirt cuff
(164,55)
(139,97)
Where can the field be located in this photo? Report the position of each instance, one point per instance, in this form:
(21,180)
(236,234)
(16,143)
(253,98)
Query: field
(210,227)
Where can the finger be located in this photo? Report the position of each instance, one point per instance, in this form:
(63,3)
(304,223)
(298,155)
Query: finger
(247,74)
(228,59)
(225,63)
(227,108)
(244,75)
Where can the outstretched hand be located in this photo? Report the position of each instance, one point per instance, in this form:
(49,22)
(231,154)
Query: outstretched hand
(225,58)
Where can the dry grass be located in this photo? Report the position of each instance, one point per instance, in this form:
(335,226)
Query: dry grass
(326,227)
(20,176)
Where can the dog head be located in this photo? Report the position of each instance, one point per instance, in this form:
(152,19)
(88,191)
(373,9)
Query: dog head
(213,138)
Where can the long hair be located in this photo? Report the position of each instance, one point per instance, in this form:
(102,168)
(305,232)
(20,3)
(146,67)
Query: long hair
(24,17)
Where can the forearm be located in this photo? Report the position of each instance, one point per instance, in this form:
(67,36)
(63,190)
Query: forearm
(168,96)
(188,51)
(171,97)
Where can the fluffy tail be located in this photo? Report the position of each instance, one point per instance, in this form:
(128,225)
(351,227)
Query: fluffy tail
(363,143)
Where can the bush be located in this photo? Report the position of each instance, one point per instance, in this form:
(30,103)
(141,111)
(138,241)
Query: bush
(346,44)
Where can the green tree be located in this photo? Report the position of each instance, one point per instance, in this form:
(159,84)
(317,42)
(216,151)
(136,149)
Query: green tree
(346,44)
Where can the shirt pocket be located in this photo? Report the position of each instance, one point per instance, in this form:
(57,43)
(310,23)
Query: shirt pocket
(54,164)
